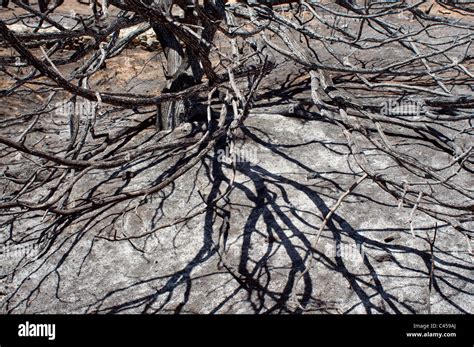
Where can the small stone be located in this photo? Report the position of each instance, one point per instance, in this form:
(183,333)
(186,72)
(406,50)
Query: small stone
(312,175)
(383,257)
(392,237)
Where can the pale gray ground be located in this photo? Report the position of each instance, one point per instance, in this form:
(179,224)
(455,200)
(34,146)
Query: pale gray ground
(274,212)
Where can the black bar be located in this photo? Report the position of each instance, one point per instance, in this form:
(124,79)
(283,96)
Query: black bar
(317,330)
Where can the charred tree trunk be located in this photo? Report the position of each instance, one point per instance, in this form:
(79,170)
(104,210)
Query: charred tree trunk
(183,63)
(177,75)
